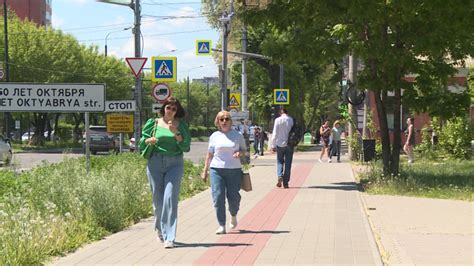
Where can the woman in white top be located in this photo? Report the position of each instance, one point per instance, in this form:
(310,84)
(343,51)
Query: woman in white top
(226,146)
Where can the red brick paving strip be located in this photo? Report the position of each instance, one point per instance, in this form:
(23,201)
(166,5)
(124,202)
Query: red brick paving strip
(257,226)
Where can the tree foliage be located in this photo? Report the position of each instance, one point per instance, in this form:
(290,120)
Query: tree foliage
(424,38)
(39,55)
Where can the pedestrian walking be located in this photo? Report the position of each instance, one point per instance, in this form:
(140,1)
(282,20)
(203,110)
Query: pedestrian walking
(410,143)
(226,146)
(165,167)
(279,144)
(256,140)
(261,141)
(336,142)
(325,132)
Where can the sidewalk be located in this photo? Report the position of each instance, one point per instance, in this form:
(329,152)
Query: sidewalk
(420,231)
(319,220)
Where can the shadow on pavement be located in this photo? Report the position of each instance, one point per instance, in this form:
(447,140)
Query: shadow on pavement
(258,232)
(347,186)
(208,245)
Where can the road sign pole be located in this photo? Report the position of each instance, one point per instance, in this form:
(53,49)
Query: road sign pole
(138,84)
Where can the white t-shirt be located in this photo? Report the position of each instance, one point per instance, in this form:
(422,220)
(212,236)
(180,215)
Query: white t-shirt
(222,146)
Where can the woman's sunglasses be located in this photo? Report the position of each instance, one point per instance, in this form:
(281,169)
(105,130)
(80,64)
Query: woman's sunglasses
(224,119)
(171,108)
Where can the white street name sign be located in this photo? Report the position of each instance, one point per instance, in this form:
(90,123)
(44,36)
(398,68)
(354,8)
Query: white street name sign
(48,97)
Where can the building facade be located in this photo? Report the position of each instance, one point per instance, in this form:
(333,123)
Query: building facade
(37,11)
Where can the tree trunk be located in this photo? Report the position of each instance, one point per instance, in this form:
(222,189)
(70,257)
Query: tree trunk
(77,133)
(56,127)
(39,121)
(384,134)
(396,144)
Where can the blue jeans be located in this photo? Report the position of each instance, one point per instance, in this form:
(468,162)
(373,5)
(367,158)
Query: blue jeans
(335,150)
(164,174)
(284,160)
(225,182)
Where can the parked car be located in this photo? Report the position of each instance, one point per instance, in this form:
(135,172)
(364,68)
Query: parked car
(5,151)
(101,141)
(26,138)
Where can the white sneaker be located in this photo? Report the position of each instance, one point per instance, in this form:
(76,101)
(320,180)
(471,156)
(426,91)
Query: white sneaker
(329,161)
(220,230)
(168,244)
(320,160)
(233,222)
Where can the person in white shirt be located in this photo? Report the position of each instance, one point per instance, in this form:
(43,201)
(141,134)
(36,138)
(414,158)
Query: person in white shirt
(279,144)
(223,162)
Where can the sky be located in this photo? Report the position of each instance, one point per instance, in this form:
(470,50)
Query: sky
(92,23)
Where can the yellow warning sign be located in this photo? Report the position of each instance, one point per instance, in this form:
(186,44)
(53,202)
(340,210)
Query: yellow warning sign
(119,123)
(234,100)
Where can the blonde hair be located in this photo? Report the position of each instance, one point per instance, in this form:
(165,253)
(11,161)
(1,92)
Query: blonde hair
(336,123)
(220,115)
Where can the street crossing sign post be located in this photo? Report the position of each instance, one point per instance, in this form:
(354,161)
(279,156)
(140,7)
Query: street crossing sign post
(164,69)
(281,96)
(203,47)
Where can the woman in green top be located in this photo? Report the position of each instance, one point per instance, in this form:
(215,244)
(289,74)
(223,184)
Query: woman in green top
(165,167)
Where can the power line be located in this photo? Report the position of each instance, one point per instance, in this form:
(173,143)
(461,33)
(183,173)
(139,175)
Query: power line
(151,35)
(153,3)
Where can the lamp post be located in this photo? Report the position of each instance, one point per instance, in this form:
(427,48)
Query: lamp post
(188,99)
(107,36)
(137,93)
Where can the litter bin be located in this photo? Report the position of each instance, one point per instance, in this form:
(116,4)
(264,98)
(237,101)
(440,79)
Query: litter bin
(368,147)
(307,138)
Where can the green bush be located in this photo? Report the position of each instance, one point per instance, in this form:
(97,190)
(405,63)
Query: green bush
(56,208)
(425,148)
(198,131)
(64,131)
(454,138)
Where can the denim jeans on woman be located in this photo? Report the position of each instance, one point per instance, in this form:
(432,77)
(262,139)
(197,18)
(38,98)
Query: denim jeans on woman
(225,182)
(164,174)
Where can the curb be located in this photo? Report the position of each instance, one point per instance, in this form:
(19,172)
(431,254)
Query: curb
(384,255)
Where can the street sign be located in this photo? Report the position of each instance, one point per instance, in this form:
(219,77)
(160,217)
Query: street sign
(50,97)
(234,100)
(119,123)
(281,96)
(136,64)
(161,92)
(239,115)
(156,107)
(203,47)
(164,69)
(120,106)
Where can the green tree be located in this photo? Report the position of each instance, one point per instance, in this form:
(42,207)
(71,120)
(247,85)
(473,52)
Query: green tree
(49,56)
(393,39)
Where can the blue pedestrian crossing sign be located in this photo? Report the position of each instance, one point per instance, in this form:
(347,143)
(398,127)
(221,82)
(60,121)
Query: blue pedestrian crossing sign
(203,47)
(164,69)
(281,96)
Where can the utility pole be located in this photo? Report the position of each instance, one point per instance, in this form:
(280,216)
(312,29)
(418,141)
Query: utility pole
(7,65)
(137,94)
(244,70)
(207,107)
(226,23)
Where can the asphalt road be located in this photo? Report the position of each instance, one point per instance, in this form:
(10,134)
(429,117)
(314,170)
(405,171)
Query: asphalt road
(27,161)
